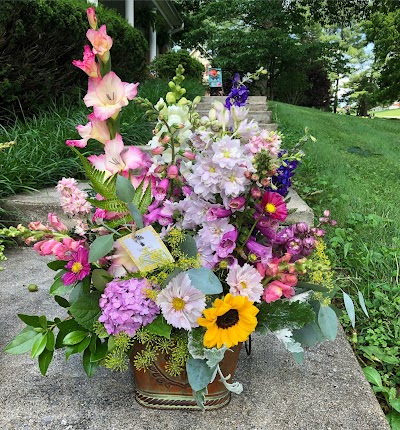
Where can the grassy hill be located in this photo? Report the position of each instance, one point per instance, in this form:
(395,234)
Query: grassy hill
(354,170)
(387,113)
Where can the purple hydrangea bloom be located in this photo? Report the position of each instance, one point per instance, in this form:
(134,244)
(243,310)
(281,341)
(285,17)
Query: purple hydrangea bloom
(125,306)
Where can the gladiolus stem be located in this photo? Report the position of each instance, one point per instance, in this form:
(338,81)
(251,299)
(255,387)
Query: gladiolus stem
(113,125)
(104,67)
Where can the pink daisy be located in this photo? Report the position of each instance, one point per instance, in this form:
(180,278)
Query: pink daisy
(181,303)
(245,281)
(78,267)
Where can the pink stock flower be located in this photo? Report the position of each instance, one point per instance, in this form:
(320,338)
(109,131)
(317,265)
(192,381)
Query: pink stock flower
(245,281)
(89,64)
(275,290)
(95,129)
(118,158)
(274,205)
(56,223)
(108,95)
(92,18)
(72,199)
(78,267)
(101,42)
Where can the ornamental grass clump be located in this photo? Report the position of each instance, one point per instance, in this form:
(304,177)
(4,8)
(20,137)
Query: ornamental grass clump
(180,249)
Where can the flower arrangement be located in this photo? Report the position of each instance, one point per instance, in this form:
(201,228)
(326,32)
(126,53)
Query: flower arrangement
(180,247)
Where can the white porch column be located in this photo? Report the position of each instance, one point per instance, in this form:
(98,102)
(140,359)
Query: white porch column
(153,43)
(130,12)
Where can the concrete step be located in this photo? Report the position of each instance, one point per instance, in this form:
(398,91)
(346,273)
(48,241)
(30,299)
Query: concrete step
(259,116)
(251,99)
(252,106)
(269,127)
(328,392)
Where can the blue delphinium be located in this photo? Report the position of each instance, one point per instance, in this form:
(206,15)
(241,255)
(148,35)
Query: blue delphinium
(282,179)
(238,94)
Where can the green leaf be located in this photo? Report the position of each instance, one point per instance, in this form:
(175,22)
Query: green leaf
(160,327)
(189,247)
(23,342)
(313,287)
(138,194)
(44,360)
(101,246)
(349,305)
(57,264)
(89,366)
(51,340)
(74,337)
(86,309)
(372,376)
(136,215)
(175,272)
(299,357)
(205,280)
(362,303)
(125,190)
(100,278)
(31,320)
(284,314)
(308,335)
(76,293)
(64,328)
(199,374)
(100,352)
(375,353)
(328,322)
(394,420)
(39,345)
(70,350)
(102,185)
(58,287)
(395,404)
(146,200)
(200,397)
(43,321)
(81,346)
(64,303)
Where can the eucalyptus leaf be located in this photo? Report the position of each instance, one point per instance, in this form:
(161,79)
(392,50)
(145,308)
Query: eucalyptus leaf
(125,190)
(101,246)
(328,322)
(136,215)
(199,374)
(362,303)
(349,305)
(205,280)
(189,247)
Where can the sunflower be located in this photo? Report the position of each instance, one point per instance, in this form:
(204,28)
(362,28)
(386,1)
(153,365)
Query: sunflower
(230,321)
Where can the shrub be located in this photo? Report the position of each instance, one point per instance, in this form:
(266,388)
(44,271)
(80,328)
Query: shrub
(38,41)
(165,65)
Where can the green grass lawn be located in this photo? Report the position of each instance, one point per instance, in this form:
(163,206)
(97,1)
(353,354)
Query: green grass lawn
(354,170)
(387,113)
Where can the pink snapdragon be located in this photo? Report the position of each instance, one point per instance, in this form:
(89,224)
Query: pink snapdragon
(55,222)
(88,64)
(100,41)
(62,250)
(118,158)
(38,226)
(94,129)
(276,289)
(108,95)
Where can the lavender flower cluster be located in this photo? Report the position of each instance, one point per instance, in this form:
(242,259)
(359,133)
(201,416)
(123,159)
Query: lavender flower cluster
(125,306)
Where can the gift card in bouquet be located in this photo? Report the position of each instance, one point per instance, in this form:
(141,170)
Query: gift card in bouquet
(146,249)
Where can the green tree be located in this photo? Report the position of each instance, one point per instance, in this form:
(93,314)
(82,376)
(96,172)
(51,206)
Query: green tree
(363,91)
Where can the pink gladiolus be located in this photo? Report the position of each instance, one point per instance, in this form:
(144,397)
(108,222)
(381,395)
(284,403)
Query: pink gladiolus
(237,203)
(92,18)
(108,95)
(89,64)
(95,129)
(101,42)
(275,290)
(172,172)
(56,223)
(118,158)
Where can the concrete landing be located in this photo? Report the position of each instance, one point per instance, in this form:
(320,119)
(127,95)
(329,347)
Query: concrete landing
(329,392)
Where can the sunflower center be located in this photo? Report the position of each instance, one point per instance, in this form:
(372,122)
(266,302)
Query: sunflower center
(271,208)
(178,304)
(228,319)
(76,267)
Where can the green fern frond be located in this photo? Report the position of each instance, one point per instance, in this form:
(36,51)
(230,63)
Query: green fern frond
(113,205)
(127,219)
(100,183)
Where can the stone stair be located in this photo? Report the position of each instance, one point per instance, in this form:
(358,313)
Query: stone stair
(257,106)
